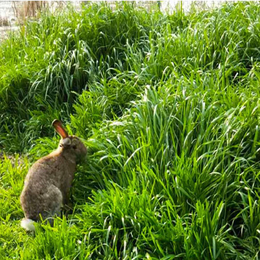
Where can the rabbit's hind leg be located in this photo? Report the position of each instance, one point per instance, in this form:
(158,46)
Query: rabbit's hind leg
(53,202)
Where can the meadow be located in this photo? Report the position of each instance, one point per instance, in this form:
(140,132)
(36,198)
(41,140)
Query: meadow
(168,106)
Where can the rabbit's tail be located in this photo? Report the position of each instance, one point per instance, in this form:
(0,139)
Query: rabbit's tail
(27,224)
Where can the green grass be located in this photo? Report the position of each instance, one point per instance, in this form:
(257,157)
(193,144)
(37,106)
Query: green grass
(168,106)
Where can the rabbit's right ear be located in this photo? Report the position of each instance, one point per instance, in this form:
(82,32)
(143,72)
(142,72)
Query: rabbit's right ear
(59,128)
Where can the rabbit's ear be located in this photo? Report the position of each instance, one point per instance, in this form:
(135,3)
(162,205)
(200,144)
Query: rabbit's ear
(59,128)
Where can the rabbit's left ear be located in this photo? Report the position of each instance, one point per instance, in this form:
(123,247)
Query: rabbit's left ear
(59,128)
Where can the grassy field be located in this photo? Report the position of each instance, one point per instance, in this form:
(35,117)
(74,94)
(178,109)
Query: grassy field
(168,106)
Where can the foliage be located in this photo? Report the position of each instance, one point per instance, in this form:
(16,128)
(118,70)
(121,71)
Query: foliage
(168,106)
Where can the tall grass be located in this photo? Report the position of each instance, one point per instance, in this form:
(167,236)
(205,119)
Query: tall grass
(168,106)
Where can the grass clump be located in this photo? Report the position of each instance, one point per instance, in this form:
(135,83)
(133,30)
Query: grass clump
(168,106)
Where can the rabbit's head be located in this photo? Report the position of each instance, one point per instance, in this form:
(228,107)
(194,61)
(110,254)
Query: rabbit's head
(69,143)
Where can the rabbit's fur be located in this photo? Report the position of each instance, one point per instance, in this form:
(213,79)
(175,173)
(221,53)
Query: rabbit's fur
(47,184)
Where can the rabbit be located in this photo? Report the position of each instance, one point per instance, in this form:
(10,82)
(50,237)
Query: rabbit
(47,184)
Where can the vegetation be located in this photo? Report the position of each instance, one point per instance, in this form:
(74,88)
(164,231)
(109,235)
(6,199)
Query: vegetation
(168,106)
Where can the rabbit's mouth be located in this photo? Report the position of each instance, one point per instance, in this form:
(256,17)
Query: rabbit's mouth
(81,157)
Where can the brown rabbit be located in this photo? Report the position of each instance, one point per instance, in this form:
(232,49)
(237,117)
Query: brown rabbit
(47,184)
